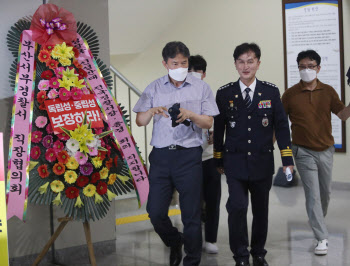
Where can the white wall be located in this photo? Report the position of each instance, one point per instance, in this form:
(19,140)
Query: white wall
(213,29)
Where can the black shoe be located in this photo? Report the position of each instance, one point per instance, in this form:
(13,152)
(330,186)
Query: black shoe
(242,263)
(176,253)
(259,261)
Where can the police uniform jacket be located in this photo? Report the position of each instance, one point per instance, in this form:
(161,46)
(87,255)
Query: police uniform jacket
(247,152)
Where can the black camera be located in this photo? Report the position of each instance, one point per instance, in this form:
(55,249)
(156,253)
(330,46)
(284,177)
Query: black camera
(174,111)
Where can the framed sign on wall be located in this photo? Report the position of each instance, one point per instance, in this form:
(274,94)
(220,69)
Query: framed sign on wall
(316,25)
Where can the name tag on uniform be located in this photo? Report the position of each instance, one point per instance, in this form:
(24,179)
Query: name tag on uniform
(264,104)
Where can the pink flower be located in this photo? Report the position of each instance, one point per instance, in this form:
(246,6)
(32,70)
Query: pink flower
(49,129)
(63,136)
(59,71)
(93,151)
(81,158)
(35,152)
(85,90)
(54,83)
(37,136)
(50,155)
(41,121)
(64,94)
(58,146)
(76,93)
(53,94)
(43,85)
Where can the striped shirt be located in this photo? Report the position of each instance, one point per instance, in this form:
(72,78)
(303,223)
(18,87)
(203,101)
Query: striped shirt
(194,95)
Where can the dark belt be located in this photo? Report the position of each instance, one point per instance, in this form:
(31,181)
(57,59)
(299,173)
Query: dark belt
(175,147)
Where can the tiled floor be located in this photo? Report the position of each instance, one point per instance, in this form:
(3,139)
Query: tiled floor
(290,240)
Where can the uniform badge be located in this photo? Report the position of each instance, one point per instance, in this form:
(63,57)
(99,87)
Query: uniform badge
(265,121)
(260,106)
(259,93)
(236,96)
(231,104)
(268,104)
(232,124)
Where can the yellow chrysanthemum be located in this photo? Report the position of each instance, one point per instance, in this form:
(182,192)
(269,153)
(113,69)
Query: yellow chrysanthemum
(65,83)
(70,176)
(111,179)
(65,61)
(57,201)
(104,173)
(78,203)
(69,74)
(89,190)
(57,186)
(110,195)
(78,83)
(98,198)
(42,189)
(97,162)
(72,164)
(62,51)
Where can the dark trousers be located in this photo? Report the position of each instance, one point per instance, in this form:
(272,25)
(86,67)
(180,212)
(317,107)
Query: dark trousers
(211,198)
(237,206)
(181,169)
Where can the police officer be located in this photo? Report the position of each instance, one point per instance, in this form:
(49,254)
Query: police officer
(251,113)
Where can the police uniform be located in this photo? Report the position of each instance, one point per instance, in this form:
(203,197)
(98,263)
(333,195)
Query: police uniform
(247,158)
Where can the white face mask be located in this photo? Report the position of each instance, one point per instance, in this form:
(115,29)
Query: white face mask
(178,74)
(196,74)
(308,75)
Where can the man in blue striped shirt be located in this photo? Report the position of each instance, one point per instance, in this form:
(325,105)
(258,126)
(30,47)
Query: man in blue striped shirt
(175,161)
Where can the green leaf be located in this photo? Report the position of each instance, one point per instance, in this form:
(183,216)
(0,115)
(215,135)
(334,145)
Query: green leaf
(89,126)
(104,134)
(66,131)
(102,149)
(85,118)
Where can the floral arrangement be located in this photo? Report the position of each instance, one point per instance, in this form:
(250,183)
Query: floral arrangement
(80,169)
(76,162)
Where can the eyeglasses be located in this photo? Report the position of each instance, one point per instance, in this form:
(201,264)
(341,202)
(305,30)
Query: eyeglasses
(309,67)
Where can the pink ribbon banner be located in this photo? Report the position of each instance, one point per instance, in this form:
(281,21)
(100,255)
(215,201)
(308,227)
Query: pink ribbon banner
(115,120)
(19,154)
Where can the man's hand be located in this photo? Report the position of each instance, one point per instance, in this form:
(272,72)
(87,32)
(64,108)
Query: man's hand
(211,137)
(290,167)
(184,114)
(158,111)
(220,170)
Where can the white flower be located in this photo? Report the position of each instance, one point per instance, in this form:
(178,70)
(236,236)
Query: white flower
(92,143)
(72,145)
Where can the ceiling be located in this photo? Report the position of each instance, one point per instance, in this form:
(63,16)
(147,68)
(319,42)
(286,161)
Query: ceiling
(134,24)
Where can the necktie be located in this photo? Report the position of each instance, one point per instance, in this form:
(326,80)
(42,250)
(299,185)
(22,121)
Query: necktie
(247,99)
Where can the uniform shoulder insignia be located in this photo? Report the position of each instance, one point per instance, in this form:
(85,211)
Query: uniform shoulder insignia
(269,84)
(225,86)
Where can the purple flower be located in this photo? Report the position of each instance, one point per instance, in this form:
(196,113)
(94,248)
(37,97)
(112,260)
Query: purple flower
(41,121)
(81,158)
(86,169)
(48,141)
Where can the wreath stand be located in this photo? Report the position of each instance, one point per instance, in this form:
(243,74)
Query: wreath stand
(63,221)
